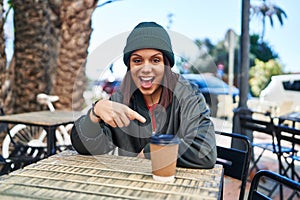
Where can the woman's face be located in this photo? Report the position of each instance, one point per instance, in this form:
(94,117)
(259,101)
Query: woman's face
(147,70)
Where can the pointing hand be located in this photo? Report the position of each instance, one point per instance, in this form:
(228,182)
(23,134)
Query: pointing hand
(116,114)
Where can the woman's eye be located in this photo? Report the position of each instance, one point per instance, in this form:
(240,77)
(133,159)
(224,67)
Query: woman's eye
(136,60)
(156,60)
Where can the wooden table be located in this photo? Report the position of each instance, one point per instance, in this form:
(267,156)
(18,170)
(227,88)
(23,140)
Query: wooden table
(46,119)
(68,175)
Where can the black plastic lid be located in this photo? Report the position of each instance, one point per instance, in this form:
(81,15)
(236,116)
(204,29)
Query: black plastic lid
(164,139)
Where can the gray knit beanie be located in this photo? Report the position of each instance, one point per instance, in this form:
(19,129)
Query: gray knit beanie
(148,35)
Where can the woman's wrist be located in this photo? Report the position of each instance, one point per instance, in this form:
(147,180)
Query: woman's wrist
(92,113)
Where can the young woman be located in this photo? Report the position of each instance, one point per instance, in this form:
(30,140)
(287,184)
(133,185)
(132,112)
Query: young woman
(151,99)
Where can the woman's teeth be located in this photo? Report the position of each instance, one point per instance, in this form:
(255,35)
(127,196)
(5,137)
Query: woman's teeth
(146,78)
(146,82)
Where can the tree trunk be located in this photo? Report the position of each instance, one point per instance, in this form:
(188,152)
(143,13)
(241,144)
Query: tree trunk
(35,52)
(2,56)
(76,29)
(243,72)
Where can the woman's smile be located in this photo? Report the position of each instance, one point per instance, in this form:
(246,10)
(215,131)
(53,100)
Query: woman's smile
(146,82)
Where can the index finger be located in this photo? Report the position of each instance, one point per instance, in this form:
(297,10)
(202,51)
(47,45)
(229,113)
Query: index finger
(135,115)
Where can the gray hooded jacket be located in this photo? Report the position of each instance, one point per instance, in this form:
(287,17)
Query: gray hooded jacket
(187,117)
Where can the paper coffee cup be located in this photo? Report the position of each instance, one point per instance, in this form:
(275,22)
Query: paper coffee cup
(163,153)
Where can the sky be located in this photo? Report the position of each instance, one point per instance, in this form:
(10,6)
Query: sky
(198,19)
(193,19)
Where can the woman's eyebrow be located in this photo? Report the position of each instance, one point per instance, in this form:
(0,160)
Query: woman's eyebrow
(157,54)
(135,54)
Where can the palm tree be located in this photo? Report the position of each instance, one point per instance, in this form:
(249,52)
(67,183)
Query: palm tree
(51,42)
(75,35)
(243,74)
(34,54)
(243,69)
(267,10)
(70,82)
(244,55)
(2,55)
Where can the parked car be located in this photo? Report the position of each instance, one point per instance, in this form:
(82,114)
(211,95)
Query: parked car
(211,87)
(108,86)
(283,92)
(111,86)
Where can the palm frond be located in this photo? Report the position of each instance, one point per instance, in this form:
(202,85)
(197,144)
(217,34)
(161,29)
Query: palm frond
(107,2)
(280,13)
(271,20)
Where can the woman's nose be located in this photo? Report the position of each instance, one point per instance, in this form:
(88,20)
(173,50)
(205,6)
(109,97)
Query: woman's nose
(147,67)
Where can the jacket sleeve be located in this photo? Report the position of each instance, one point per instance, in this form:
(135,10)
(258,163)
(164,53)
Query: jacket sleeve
(88,137)
(198,144)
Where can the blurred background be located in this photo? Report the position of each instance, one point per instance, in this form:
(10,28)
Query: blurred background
(48,46)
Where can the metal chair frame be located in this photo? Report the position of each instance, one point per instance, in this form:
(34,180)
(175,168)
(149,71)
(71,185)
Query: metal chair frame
(21,155)
(248,123)
(235,161)
(291,135)
(254,194)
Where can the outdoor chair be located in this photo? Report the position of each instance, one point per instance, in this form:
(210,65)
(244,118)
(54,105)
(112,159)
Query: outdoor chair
(289,136)
(235,161)
(20,155)
(261,125)
(266,175)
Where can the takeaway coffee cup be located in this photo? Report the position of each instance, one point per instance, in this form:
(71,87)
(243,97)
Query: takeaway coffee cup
(163,152)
